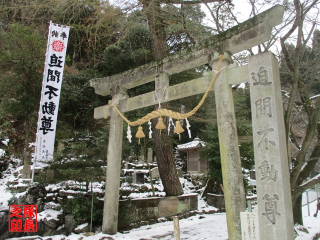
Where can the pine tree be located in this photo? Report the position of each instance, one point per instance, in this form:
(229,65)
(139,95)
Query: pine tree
(22,51)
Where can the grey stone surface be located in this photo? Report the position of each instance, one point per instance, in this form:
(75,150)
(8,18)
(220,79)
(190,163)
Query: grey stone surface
(155,173)
(230,155)
(26,172)
(111,200)
(153,208)
(168,206)
(216,200)
(138,177)
(69,223)
(149,155)
(141,158)
(271,160)
(54,223)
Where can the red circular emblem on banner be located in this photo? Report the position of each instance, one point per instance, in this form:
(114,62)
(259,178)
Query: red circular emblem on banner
(57,46)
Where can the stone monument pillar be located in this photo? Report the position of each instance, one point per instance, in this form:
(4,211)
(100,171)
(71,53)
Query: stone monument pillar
(271,160)
(26,172)
(150,154)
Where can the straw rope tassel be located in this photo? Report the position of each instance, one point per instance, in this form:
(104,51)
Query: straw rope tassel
(160,125)
(140,133)
(165,112)
(178,128)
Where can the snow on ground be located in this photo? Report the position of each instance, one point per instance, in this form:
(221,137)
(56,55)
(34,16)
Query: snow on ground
(311,223)
(4,196)
(199,227)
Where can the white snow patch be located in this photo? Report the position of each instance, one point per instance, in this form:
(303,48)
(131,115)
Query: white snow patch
(2,152)
(5,142)
(60,227)
(196,143)
(4,197)
(145,195)
(49,214)
(82,226)
(314,97)
(285,93)
(242,85)
(315,177)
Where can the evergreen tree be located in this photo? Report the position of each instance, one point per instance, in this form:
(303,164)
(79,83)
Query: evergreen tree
(77,103)
(22,51)
(81,159)
(94,24)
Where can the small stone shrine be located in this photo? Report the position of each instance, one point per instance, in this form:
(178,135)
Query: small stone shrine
(194,165)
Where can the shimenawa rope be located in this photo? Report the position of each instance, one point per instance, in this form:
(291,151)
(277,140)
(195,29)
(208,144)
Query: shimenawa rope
(165,112)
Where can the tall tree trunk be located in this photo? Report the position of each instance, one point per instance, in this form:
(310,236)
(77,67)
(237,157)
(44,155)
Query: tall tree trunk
(166,163)
(297,211)
(162,142)
(152,9)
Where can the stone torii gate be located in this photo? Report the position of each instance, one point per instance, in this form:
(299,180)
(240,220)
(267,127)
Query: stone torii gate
(274,198)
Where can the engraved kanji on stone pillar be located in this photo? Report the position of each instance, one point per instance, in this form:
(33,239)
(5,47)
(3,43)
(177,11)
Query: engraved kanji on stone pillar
(263,107)
(273,183)
(270,209)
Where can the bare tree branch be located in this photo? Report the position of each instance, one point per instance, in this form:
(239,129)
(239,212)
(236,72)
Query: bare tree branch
(299,190)
(194,1)
(310,133)
(306,10)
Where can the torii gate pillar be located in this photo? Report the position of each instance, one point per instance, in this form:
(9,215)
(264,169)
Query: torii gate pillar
(111,199)
(233,187)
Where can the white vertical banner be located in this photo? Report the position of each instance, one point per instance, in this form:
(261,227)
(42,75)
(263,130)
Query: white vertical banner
(50,94)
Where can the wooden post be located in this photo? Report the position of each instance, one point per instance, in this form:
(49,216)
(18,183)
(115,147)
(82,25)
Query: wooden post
(176,228)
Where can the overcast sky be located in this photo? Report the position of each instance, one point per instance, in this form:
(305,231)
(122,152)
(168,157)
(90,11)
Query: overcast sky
(242,8)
